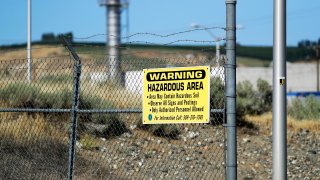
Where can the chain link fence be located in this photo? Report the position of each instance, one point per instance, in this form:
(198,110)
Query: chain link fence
(39,119)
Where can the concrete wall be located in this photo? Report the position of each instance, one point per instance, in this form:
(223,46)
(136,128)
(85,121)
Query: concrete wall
(133,81)
(300,77)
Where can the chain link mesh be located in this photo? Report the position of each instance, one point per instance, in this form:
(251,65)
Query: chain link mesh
(112,142)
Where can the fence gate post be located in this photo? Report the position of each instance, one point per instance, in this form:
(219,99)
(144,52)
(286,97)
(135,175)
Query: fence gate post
(74,110)
(231,159)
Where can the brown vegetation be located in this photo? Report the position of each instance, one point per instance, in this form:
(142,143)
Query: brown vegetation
(33,148)
(265,120)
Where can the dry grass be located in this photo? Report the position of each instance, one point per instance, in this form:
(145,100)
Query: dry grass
(25,128)
(37,52)
(296,125)
(265,120)
(33,148)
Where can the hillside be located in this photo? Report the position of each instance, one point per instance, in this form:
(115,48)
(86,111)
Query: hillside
(250,56)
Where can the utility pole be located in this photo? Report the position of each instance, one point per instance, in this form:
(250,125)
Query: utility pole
(216,39)
(318,59)
(279,105)
(218,50)
(29,60)
(126,7)
(231,157)
(113,39)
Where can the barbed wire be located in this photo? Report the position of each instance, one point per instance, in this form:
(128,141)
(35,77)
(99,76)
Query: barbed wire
(20,65)
(134,43)
(128,49)
(124,46)
(135,52)
(152,34)
(188,40)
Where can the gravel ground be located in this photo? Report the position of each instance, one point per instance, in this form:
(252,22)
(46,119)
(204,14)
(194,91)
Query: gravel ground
(199,154)
(255,154)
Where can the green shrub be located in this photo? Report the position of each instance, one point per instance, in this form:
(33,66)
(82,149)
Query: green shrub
(251,101)
(88,142)
(23,95)
(264,95)
(217,93)
(308,108)
(61,79)
(245,100)
(217,100)
(170,131)
(89,101)
(113,125)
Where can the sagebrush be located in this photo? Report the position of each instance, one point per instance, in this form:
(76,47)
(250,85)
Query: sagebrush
(305,109)
(23,95)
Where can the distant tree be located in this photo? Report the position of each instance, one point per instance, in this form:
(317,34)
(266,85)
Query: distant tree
(68,36)
(48,38)
(302,43)
(307,43)
(51,38)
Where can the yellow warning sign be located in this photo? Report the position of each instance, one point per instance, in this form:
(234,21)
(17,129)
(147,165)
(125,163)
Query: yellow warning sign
(176,95)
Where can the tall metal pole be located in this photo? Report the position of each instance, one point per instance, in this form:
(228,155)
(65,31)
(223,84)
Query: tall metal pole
(318,59)
(29,63)
(231,161)
(128,22)
(218,50)
(113,39)
(279,110)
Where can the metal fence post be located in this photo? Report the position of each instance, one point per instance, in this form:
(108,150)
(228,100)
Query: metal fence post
(74,110)
(231,164)
(279,105)
(29,60)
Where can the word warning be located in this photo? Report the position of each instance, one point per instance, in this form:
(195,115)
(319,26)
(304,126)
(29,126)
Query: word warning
(176,95)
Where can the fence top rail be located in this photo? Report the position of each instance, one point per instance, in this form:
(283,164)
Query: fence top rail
(83,110)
